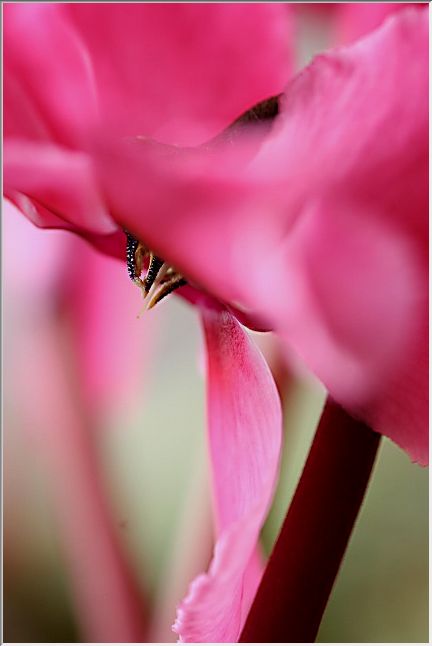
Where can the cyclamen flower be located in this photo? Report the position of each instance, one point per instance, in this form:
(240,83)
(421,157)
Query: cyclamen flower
(316,229)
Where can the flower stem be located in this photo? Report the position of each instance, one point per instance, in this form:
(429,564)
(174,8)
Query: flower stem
(299,577)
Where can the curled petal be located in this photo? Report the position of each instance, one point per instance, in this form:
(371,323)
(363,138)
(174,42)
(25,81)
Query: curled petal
(244,417)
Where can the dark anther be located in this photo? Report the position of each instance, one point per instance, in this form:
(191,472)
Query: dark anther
(152,271)
(266,110)
(131,247)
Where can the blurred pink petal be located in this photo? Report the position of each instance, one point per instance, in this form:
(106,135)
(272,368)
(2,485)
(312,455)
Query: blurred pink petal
(372,165)
(324,233)
(47,62)
(353,20)
(63,84)
(402,409)
(40,378)
(113,346)
(149,80)
(190,554)
(60,180)
(321,235)
(108,605)
(33,259)
(245,424)
(358,299)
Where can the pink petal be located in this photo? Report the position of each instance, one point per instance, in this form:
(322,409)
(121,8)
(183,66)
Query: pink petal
(357,311)
(377,160)
(341,179)
(204,211)
(346,132)
(113,345)
(107,602)
(179,72)
(48,61)
(354,19)
(55,186)
(198,214)
(402,409)
(245,435)
(185,71)
(48,406)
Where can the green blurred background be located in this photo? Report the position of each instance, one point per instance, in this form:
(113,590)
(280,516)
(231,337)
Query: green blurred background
(155,475)
(154,464)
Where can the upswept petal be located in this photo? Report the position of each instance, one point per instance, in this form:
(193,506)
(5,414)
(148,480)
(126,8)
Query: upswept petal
(349,152)
(245,424)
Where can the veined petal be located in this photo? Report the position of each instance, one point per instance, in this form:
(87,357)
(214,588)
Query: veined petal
(245,423)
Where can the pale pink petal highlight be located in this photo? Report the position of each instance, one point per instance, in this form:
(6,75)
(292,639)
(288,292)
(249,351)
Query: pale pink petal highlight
(245,424)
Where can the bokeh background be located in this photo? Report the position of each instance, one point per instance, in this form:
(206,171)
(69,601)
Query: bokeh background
(148,454)
(104,445)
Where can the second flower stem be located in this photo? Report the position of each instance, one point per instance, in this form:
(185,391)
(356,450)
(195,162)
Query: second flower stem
(299,577)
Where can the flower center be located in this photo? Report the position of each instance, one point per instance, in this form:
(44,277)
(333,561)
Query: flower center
(160,279)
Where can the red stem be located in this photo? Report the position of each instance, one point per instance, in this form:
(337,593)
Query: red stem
(302,568)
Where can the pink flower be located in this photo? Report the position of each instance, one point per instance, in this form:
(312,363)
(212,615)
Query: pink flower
(316,229)
(322,235)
